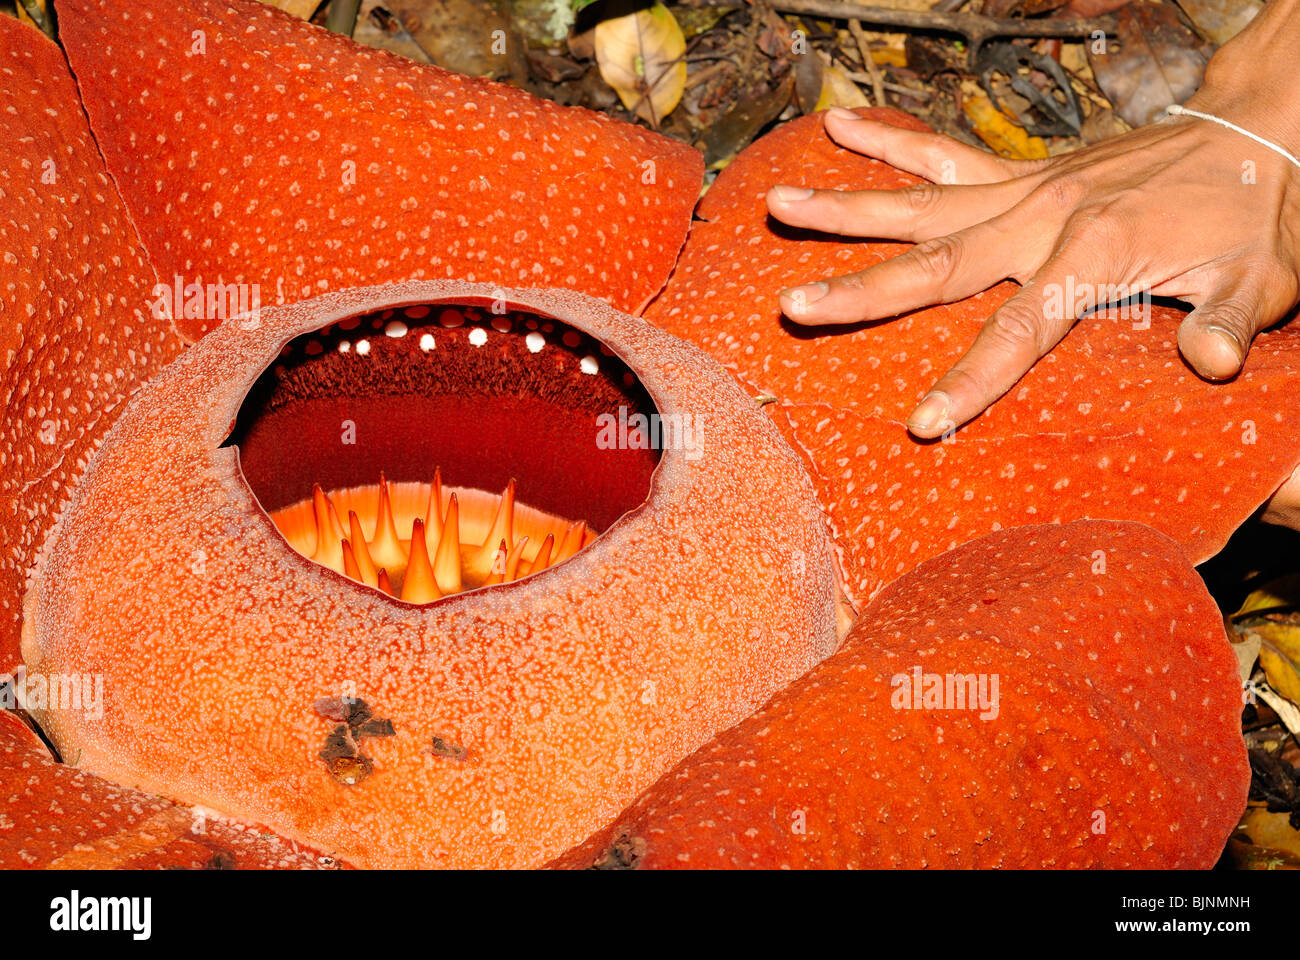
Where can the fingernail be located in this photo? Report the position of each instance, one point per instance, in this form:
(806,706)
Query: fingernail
(930,413)
(841,113)
(801,297)
(791,194)
(1227,337)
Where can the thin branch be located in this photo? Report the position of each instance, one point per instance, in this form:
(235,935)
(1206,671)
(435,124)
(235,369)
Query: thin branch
(975,28)
(877,81)
(857,76)
(342,16)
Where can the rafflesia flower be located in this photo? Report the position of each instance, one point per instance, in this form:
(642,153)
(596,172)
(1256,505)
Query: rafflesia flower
(282,315)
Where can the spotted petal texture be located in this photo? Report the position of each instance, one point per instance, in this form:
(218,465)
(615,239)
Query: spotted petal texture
(75,335)
(1115,741)
(569,691)
(1112,424)
(252,147)
(54,816)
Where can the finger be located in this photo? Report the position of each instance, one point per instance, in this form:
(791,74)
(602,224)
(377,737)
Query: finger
(1011,341)
(937,271)
(1216,336)
(921,212)
(933,156)
(1283,508)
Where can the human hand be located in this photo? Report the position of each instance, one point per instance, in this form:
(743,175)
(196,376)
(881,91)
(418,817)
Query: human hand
(1183,208)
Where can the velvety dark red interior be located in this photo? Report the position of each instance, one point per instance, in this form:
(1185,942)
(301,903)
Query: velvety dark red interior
(493,397)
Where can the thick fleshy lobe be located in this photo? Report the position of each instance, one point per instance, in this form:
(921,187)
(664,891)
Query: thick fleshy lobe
(74,327)
(524,715)
(1111,424)
(289,158)
(1112,737)
(252,147)
(54,816)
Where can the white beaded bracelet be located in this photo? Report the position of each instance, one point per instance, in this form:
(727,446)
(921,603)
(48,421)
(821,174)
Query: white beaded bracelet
(1175,110)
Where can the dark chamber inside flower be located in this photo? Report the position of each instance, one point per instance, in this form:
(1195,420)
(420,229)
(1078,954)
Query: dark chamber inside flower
(441,400)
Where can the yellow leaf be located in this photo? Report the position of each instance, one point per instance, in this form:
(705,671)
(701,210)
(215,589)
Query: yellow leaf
(1279,655)
(1282,592)
(1270,613)
(640,56)
(839,91)
(302,9)
(1265,841)
(993,127)
(26,17)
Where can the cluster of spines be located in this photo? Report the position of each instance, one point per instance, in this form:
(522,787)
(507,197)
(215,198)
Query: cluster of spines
(433,562)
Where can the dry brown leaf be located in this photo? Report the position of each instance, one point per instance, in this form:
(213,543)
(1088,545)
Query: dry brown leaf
(1265,841)
(1272,613)
(641,57)
(838,90)
(1220,20)
(1153,62)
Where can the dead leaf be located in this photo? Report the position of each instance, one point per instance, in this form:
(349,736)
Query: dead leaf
(461,35)
(302,9)
(1220,20)
(1286,711)
(36,13)
(889,56)
(379,28)
(739,125)
(696,20)
(1279,657)
(838,90)
(808,80)
(995,129)
(1154,61)
(1272,614)
(641,57)
(1281,594)
(544,23)
(1265,841)
(1247,651)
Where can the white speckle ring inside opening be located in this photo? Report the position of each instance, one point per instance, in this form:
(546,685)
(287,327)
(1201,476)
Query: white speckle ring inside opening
(478,336)
(535,341)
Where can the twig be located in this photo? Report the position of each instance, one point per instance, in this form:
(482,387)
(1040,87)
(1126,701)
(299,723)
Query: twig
(342,16)
(975,28)
(859,77)
(877,81)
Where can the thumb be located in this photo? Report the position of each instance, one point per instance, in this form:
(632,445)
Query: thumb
(1216,336)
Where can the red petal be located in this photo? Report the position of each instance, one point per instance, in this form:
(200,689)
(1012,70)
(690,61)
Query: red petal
(1111,424)
(74,284)
(52,815)
(697,605)
(1117,741)
(233,161)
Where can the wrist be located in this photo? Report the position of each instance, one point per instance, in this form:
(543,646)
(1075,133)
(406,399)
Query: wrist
(1250,80)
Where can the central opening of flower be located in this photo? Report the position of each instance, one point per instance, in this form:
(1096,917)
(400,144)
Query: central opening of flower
(431,449)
